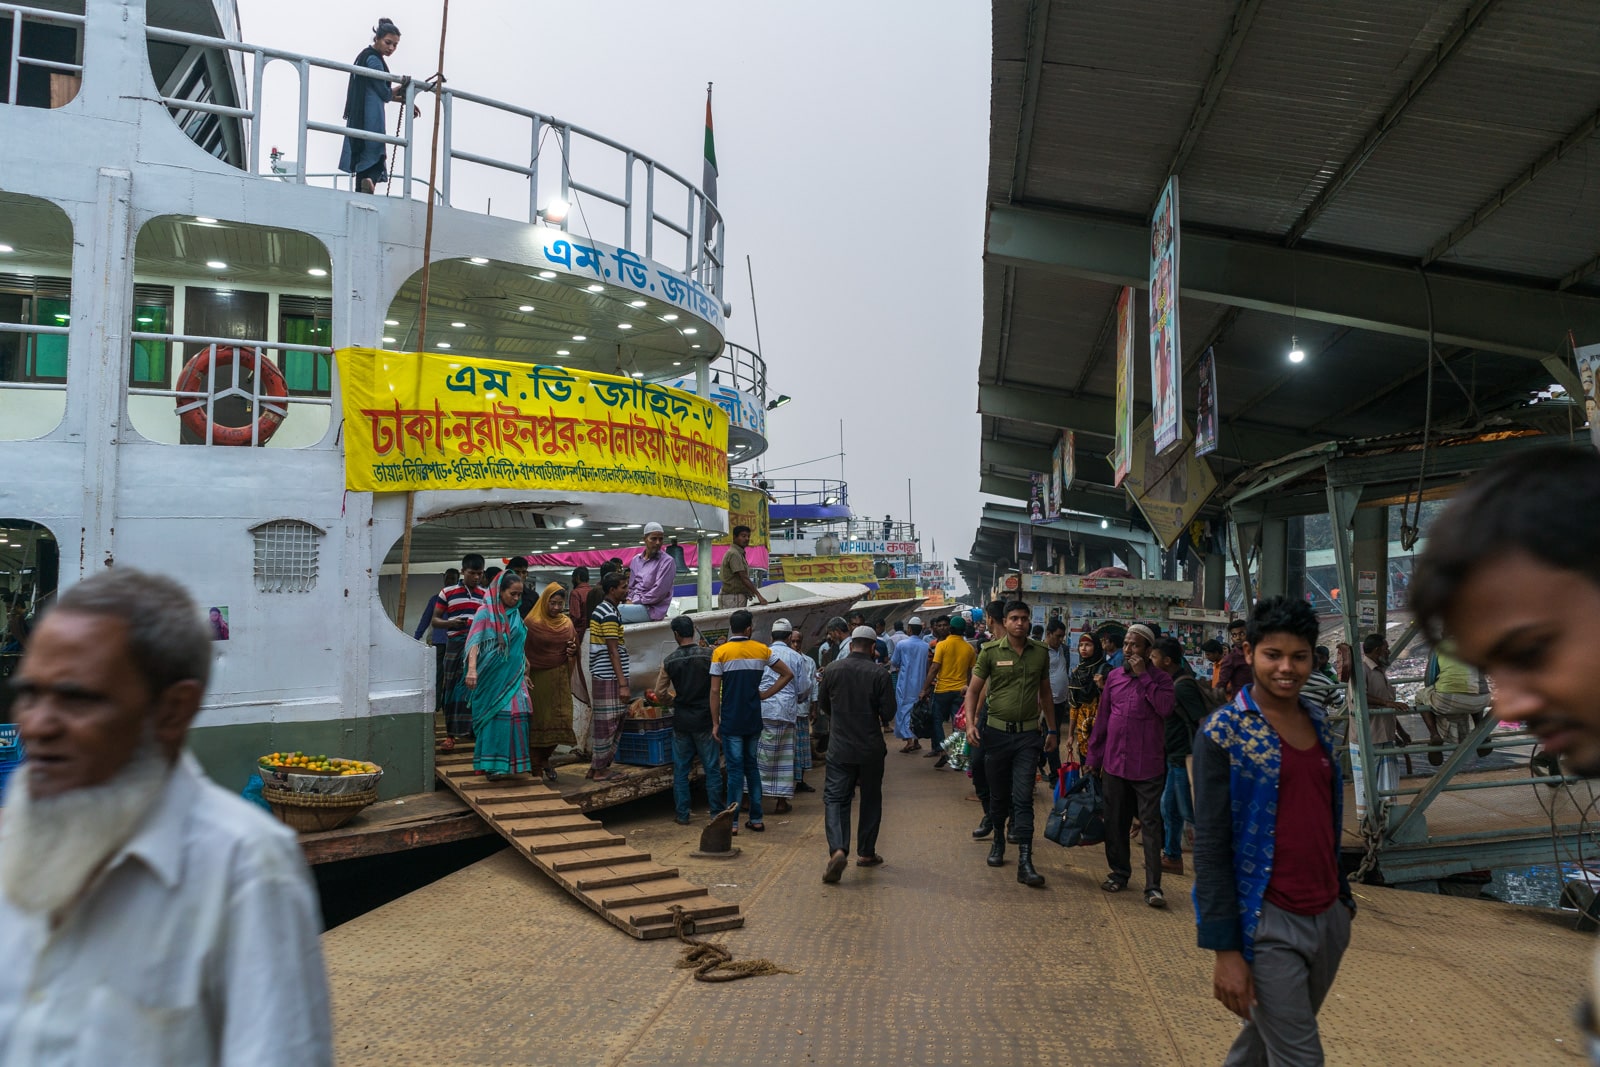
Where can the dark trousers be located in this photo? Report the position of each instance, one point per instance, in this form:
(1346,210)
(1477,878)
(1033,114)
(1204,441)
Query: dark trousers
(1051,761)
(1122,796)
(838,790)
(980,776)
(1011,762)
(943,706)
(438,677)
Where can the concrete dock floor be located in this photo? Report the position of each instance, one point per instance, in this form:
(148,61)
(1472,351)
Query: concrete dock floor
(932,959)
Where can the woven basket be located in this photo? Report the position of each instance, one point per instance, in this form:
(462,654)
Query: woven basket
(309,813)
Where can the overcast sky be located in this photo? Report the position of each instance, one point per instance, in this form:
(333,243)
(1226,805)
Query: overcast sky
(852,141)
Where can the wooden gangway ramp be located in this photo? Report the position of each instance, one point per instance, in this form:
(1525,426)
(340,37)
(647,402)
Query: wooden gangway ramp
(625,886)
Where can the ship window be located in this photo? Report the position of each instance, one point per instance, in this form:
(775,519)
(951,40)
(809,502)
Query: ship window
(152,313)
(48,65)
(34,302)
(304,320)
(286,556)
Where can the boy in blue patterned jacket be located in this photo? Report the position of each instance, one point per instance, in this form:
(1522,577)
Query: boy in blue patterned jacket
(1269,898)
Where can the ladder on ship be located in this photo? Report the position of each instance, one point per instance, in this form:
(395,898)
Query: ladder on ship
(625,886)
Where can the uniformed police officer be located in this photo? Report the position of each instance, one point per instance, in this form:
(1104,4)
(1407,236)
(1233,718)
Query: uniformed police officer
(1014,674)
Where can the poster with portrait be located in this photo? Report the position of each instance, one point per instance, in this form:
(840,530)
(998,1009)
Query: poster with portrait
(1122,454)
(1069,463)
(217,621)
(1036,497)
(1166,360)
(1053,499)
(1170,489)
(1588,358)
(1205,420)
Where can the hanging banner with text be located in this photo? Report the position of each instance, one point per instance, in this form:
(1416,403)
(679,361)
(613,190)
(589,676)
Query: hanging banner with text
(426,421)
(1122,454)
(1166,352)
(821,569)
(747,506)
(1205,422)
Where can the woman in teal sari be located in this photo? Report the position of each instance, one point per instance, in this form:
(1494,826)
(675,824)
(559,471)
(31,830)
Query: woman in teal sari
(497,678)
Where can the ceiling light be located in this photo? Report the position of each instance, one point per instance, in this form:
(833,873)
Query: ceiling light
(669,318)
(441,344)
(525,307)
(1296,353)
(694,346)
(216,264)
(690,330)
(1104,525)
(636,303)
(388,340)
(459,325)
(144,320)
(596,288)
(205,221)
(6,248)
(624,325)
(573,523)
(556,210)
(479,260)
(317,272)
(547,274)
(563,352)
(676,363)
(579,337)
(391,322)
(61,318)
(636,374)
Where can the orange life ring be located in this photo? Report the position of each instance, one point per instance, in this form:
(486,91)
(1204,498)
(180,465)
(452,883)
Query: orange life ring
(192,410)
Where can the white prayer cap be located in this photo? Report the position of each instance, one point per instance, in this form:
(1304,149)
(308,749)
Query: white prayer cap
(915,620)
(863,633)
(653,527)
(781,626)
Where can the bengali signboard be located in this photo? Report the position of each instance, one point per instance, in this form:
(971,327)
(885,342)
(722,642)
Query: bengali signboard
(1122,453)
(895,589)
(427,421)
(1166,359)
(747,507)
(821,569)
(1205,423)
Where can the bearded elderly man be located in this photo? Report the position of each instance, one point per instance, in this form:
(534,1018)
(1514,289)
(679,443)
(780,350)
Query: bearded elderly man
(650,577)
(148,916)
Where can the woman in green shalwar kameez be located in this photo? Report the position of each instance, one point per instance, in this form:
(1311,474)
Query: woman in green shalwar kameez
(497,678)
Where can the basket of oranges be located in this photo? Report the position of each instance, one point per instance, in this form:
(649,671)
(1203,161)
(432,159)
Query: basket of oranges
(315,792)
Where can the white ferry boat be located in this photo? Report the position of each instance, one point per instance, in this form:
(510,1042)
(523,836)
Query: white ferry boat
(173,293)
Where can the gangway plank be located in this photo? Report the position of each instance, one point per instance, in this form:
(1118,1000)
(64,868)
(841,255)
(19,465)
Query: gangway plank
(623,885)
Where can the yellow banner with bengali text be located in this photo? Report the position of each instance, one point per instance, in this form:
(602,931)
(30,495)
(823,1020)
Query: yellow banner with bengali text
(747,506)
(428,421)
(821,568)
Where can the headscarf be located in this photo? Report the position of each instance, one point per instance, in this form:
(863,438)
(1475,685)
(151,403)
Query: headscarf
(1081,681)
(495,627)
(498,635)
(548,635)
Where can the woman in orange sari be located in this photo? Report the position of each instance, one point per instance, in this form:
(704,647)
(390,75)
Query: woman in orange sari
(552,646)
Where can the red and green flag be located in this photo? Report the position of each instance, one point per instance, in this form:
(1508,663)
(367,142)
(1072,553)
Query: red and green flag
(708,181)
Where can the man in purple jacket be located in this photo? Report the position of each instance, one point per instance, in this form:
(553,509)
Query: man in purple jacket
(1127,748)
(650,576)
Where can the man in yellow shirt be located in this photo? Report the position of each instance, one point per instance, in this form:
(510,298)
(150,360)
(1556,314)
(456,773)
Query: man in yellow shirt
(947,681)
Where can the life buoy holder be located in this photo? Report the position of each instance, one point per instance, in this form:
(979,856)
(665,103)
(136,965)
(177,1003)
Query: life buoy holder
(270,397)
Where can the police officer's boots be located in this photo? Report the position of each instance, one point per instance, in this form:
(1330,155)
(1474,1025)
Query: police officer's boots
(1025,872)
(985,827)
(997,849)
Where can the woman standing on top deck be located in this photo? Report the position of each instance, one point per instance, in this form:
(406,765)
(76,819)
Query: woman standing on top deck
(1083,694)
(497,677)
(364,101)
(552,647)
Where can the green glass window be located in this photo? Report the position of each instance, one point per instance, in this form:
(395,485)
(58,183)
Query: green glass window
(151,359)
(305,373)
(47,353)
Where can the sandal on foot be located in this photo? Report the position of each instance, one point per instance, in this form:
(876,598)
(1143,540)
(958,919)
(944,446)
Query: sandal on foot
(869,861)
(756,827)
(836,865)
(782,807)
(447,745)
(1155,898)
(1113,884)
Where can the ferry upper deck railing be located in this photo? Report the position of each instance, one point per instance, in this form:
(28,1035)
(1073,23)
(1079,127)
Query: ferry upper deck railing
(20,16)
(814,491)
(646,215)
(743,369)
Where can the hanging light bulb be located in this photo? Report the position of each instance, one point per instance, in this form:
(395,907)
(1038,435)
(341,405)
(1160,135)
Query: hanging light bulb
(1296,353)
(1104,525)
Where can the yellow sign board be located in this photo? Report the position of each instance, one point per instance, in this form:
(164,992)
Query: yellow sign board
(427,421)
(747,507)
(896,589)
(823,568)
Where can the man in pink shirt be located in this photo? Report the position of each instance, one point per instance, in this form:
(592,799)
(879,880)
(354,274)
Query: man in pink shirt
(1127,748)
(650,576)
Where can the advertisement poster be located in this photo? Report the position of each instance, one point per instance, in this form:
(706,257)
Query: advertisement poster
(1205,422)
(1069,462)
(1053,495)
(1588,367)
(426,421)
(1024,542)
(1122,454)
(747,506)
(1169,489)
(1035,498)
(1166,353)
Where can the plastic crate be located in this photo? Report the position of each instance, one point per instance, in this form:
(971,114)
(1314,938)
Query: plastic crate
(6,770)
(637,726)
(11,754)
(646,748)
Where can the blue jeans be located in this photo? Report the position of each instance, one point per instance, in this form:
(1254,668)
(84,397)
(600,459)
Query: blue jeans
(944,709)
(743,771)
(685,747)
(1177,807)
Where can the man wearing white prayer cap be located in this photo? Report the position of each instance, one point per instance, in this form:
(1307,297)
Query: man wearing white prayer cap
(650,579)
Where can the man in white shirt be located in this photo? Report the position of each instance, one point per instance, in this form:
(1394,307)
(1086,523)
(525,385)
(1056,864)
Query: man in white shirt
(147,915)
(775,749)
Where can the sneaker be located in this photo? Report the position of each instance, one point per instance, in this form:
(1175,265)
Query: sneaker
(1155,898)
(682,820)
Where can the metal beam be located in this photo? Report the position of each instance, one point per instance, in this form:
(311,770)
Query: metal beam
(1394,385)
(1578,274)
(1340,288)
(1243,16)
(1022,456)
(1469,21)
(1484,211)
(1038,30)
(1249,442)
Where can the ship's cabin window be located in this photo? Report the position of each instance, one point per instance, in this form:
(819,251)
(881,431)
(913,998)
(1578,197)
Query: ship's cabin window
(30,564)
(48,65)
(35,315)
(237,346)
